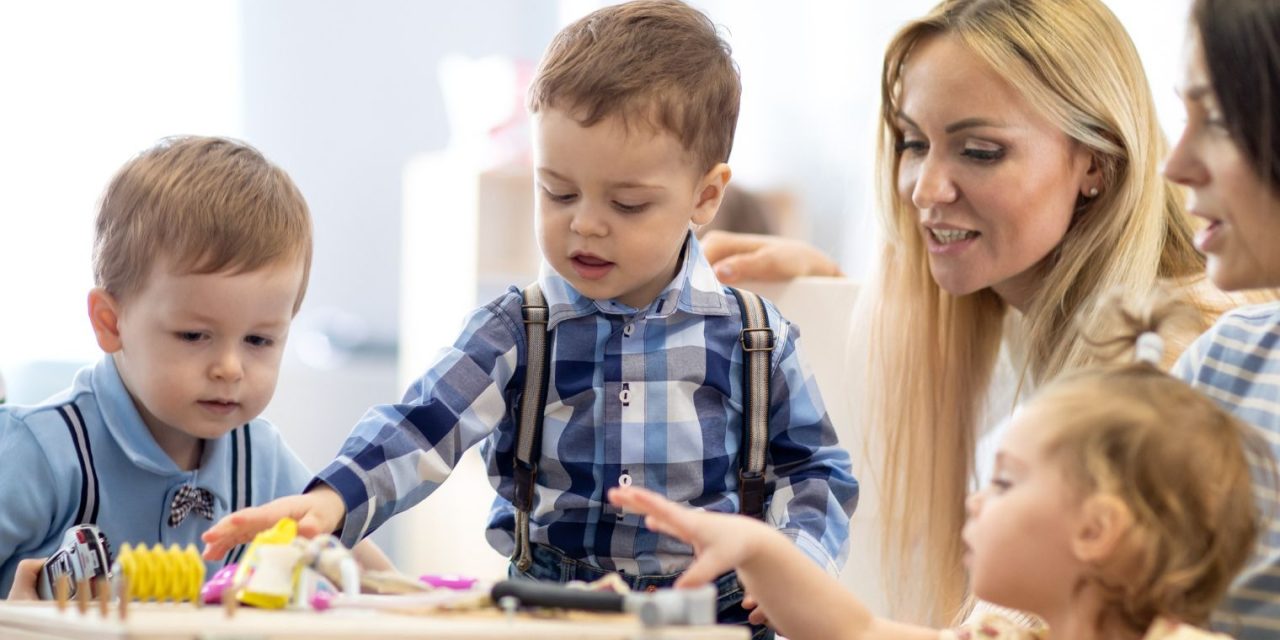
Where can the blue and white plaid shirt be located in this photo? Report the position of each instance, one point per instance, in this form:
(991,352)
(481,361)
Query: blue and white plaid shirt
(652,396)
(1237,363)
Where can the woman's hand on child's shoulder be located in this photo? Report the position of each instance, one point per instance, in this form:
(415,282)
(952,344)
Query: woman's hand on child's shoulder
(317,511)
(720,541)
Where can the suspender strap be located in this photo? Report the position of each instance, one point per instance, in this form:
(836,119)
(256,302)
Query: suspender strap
(757,343)
(241,480)
(532,407)
(757,346)
(87,513)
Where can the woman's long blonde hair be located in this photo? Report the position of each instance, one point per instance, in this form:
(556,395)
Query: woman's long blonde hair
(932,353)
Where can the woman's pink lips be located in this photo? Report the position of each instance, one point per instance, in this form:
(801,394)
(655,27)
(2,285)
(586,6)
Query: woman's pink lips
(950,248)
(1210,238)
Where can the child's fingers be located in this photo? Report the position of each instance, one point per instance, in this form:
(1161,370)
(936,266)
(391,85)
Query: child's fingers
(657,524)
(25,578)
(748,602)
(628,498)
(702,571)
(663,515)
(646,502)
(757,616)
(638,500)
(237,528)
(309,526)
(217,544)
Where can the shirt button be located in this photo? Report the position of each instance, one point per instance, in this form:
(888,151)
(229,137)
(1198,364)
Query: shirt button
(628,330)
(625,396)
(624,480)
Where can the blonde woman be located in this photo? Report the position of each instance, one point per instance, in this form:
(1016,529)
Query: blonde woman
(1018,171)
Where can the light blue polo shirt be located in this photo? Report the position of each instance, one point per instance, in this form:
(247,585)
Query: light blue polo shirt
(85,455)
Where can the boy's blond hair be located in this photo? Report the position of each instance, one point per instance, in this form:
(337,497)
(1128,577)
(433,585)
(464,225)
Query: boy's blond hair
(655,62)
(207,205)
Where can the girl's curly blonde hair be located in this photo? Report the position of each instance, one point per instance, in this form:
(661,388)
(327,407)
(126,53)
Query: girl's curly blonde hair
(1185,468)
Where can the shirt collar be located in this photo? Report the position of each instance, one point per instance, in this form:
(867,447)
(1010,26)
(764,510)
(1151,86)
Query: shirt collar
(695,289)
(126,427)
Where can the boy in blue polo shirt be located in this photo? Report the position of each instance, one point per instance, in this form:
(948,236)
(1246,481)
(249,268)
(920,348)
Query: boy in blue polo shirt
(634,109)
(201,256)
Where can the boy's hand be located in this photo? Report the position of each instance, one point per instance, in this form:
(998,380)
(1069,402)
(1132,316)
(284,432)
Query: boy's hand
(24,580)
(317,511)
(720,541)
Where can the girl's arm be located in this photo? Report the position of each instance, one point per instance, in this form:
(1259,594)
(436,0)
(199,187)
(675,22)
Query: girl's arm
(799,598)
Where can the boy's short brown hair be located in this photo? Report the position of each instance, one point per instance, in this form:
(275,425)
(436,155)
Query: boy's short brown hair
(208,205)
(657,61)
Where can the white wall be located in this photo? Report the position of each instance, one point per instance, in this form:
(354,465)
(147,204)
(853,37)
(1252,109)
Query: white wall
(84,86)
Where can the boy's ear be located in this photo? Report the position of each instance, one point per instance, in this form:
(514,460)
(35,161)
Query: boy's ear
(711,193)
(104,315)
(1104,522)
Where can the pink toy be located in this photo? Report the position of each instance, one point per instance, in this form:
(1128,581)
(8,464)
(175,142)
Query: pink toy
(322,600)
(448,581)
(211,592)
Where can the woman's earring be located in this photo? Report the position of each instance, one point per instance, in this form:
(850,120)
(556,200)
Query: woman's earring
(1093,192)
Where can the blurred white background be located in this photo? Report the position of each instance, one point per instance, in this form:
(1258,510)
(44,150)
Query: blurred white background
(342,95)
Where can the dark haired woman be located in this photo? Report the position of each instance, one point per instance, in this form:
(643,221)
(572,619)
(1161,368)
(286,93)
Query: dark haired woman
(1229,157)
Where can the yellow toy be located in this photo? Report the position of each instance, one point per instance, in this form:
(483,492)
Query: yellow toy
(159,574)
(269,571)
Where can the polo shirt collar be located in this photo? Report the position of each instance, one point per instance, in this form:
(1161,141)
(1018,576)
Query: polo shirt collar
(126,427)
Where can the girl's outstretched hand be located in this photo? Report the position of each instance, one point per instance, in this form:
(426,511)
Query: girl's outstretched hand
(720,541)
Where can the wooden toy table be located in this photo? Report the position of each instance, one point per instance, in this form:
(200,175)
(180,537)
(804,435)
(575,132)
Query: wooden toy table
(150,621)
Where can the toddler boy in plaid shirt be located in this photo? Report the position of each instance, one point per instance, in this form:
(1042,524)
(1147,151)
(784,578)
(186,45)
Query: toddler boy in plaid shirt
(633,109)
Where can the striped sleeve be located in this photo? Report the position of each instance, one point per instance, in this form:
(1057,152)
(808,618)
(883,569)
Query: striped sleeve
(815,493)
(28,503)
(398,454)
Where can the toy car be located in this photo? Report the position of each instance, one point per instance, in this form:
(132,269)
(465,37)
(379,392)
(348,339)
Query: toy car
(83,555)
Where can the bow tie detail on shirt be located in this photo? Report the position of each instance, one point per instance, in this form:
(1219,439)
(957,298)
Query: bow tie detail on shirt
(190,498)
